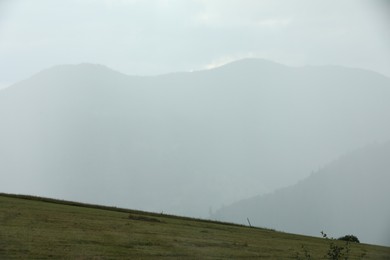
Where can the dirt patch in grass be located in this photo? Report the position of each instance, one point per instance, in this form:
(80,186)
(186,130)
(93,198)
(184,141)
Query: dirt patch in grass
(143,218)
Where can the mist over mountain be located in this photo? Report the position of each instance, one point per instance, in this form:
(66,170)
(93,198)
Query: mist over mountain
(348,196)
(184,142)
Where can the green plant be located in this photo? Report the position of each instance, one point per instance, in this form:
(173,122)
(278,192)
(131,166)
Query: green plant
(336,252)
(349,238)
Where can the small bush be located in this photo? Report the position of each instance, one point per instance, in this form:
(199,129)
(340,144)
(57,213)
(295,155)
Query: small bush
(336,252)
(349,238)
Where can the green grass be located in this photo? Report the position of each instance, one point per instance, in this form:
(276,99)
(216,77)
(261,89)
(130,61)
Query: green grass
(32,227)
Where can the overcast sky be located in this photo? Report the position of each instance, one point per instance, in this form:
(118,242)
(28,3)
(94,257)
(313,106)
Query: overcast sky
(158,36)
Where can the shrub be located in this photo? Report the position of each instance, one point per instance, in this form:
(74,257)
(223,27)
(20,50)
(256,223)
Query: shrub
(349,238)
(336,252)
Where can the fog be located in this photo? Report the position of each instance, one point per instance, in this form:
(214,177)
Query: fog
(339,198)
(190,107)
(161,36)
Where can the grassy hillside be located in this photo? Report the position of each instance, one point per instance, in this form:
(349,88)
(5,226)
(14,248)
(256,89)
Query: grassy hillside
(44,228)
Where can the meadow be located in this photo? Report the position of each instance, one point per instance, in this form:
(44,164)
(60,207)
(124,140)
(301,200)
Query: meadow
(40,228)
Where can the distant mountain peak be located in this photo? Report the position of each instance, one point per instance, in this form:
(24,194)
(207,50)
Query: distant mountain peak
(81,67)
(254,61)
(78,71)
(251,65)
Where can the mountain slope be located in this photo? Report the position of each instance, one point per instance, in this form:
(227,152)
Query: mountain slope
(182,142)
(347,196)
(40,228)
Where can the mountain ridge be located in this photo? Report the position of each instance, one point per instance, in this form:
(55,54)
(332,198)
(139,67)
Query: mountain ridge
(254,63)
(347,195)
(180,142)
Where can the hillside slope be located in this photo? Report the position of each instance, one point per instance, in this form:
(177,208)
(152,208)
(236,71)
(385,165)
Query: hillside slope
(348,196)
(182,142)
(37,228)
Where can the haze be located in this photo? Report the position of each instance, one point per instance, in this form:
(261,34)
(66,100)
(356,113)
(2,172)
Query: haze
(187,107)
(160,36)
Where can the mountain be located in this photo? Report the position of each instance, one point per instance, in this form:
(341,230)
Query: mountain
(183,143)
(348,196)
